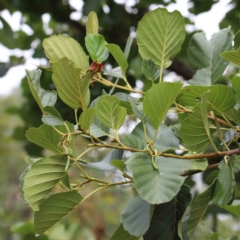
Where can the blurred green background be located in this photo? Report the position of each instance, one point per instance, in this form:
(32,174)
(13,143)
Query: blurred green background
(99,217)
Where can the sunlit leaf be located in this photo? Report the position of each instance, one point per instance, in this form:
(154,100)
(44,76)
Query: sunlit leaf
(166,216)
(160,35)
(115,72)
(92,23)
(136,216)
(125,101)
(220,97)
(87,118)
(47,137)
(232,56)
(40,178)
(72,88)
(54,209)
(204,56)
(122,234)
(234,208)
(42,97)
(158,99)
(118,55)
(199,137)
(59,46)
(109,112)
(119,164)
(95,44)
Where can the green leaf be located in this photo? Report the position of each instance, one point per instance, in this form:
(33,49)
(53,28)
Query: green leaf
(92,23)
(46,137)
(220,97)
(234,162)
(166,217)
(119,164)
(122,234)
(65,182)
(72,88)
(150,70)
(235,81)
(157,186)
(42,97)
(158,99)
(128,46)
(57,47)
(87,118)
(224,188)
(165,139)
(95,44)
(133,141)
(52,116)
(125,101)
(204,56)
(234,208)
(40,178)
(109,112)
(160,35)
(137,108)
(54,209)
(232,56)
(118,55)
(198,139)
(115,72)
(197,210)
(136,216)
(106,163)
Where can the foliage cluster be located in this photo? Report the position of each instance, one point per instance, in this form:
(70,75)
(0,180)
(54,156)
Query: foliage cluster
(162,156)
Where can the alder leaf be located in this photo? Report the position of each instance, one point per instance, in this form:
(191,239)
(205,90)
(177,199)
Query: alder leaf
(54,209)
(160,35)
(72,88)
(109,112)
(118,55)
(166,216)
(232,56)
(40,178)
(197,210)
(95,44)
(158,99)
(204,56)
(42,97)
(136,216)
(92,23)
(52,117)
(220,97)
(122,234)
(47,137)
(87,118)
(224,187)
(150,69)
(157,186)
(198,139)
(60,46)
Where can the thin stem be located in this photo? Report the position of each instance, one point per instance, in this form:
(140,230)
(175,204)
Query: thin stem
(161,73)
(75,113)
(89,149)
(67,128)
(63,134)
(113,88)
(96,190)
(110,84)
